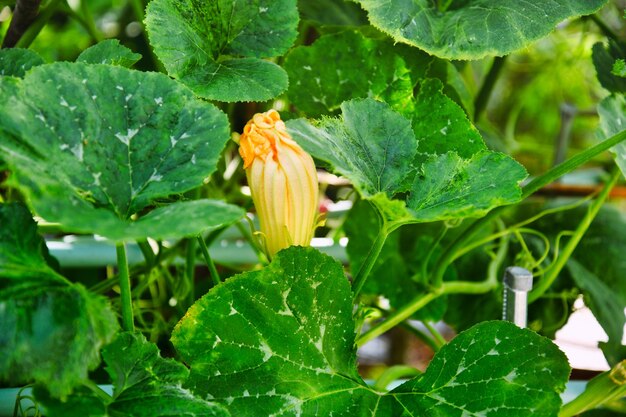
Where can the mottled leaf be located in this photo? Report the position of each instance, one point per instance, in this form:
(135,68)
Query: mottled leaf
(16,61)
(362,67)
(450,186)
(462,29)
(279,342)
(371,145)
(145,385)
(51,330)
(216,47)
(92,145)
(110,52)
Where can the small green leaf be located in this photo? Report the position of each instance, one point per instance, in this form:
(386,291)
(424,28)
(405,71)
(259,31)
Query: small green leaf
(279,342)
(145,385)
(606,59)
(612,111)
(449,186)
(51,331)
(371,145)
(619,68)
(110,52)
(16,61)
(362,67)
(216,47)
(462,29)
(92,145)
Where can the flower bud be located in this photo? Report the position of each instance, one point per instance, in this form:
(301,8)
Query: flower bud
(282,180)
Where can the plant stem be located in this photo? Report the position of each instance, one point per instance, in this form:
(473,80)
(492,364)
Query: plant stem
(37,25)
(487,87)
(370,261)
(429,341)
(190,271)
(393,373)
(437,336)
(607,31)
(452,251)
(215,277)
(124,281)
(24,15)
(147,252)
(606,387)
(584,224)
(399,316)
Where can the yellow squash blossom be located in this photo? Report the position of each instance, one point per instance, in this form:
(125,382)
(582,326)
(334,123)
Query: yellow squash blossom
(282,180)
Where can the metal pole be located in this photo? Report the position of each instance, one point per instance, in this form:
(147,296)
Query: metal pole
(517,283)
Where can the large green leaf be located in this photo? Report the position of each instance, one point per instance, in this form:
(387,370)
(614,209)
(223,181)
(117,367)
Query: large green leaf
(216,47)
(462,29)
(92,145)
(279,342)
(51,331)
(612,111)
(378,152)
(145,385)
(16,61)
(372,145)
(110,52)
(361,67)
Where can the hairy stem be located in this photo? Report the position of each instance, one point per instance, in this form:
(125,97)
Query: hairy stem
(124,282)
(215,277)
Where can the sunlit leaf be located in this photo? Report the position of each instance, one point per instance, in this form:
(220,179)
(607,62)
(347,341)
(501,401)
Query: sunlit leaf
(462,29)
(279,342)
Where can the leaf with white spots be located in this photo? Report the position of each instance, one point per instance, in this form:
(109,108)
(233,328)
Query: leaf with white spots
(463,29)
(442,161)
(145,385)
(362,67)
(93,145)
(111,52)
(216,47)
(279,342)
(16,61)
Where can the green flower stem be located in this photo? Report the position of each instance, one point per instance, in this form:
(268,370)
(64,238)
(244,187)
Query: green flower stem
(604,388)
(398,317)
(487,87)
(215,277)
(565,254)
(190,271)
(394,373)
(452,251)
(85,20)
(370,261)
(124,282)
(147,252)
(439,339)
